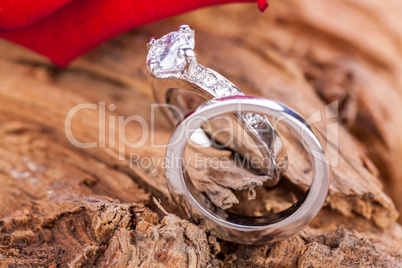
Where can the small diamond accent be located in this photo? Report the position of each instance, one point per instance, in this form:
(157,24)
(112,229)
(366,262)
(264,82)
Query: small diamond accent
(223,89)
(209,80)
(195,72)
(253,119)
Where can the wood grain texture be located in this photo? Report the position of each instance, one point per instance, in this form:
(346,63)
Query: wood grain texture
(69,206)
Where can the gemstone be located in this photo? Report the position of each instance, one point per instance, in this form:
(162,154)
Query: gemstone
(223,89)
(164,59)
(253,119)
(195,72)
(209,80)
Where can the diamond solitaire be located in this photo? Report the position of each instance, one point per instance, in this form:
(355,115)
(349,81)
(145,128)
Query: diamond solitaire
(166,57)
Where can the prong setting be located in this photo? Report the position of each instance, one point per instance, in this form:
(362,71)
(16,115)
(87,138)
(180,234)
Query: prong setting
(188,53)
(151,66)
(150,42)
(184,28)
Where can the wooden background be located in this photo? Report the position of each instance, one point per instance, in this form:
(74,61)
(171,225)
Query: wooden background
(67,206)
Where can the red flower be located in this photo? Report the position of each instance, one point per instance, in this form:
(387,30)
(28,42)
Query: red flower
(64,29)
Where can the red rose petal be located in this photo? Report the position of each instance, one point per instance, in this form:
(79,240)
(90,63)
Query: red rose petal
(262,5)
(20,13)
(81,25)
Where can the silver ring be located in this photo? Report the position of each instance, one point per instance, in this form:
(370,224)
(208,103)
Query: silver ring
(228,226)
(172,62)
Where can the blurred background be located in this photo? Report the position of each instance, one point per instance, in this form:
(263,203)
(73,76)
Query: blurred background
(306,54)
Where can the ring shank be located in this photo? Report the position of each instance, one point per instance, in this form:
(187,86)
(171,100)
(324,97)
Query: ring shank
(242,229)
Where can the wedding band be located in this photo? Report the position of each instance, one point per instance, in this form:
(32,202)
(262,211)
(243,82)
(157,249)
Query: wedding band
(172,62)
(229,226)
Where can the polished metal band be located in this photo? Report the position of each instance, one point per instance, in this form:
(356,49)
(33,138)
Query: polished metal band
(228,226)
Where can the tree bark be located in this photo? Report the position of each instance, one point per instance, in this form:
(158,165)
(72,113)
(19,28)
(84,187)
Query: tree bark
(68,206)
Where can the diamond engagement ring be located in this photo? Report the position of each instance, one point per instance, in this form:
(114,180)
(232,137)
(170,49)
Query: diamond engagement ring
(172,62)
(230,226)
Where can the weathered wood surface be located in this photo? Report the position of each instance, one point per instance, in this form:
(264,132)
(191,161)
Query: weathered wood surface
(82,207)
